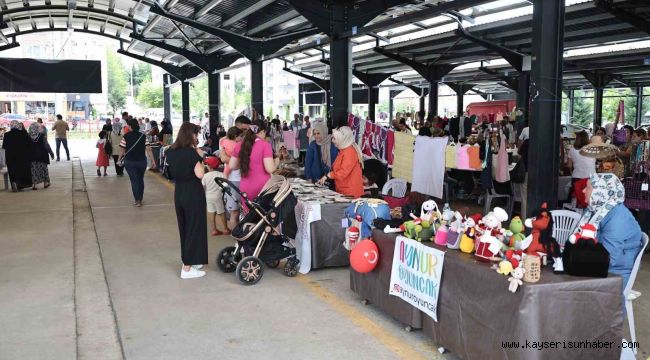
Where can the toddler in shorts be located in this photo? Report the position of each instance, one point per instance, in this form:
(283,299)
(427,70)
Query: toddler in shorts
(214,197)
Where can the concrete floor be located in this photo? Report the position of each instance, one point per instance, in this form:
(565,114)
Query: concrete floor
(84,274)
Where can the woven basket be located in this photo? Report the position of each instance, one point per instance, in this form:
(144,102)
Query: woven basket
(533,268)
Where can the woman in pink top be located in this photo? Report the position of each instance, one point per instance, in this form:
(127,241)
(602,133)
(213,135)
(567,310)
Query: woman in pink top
(254,157)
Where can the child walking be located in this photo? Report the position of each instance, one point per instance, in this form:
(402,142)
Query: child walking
(214,197)
(102,156)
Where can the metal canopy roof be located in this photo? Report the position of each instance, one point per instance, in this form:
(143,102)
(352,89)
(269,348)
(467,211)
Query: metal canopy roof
(415,30)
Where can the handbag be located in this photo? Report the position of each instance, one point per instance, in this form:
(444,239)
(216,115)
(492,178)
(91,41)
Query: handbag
(108,147)
(637,190)
(586,257)
(619,136)
(120,162)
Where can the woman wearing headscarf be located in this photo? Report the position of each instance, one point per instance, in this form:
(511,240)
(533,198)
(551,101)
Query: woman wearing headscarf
(320,153)
(115,137)
(17,152)
(153,141)
(618,231)
(39,156)
(347,168)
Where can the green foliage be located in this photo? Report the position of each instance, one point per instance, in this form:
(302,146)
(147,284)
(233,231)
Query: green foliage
(141,74)
(583,111)
(199,96)
(610,104)
(151,96)
(117,82)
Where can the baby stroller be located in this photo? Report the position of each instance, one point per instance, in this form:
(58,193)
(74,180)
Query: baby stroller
(258,241)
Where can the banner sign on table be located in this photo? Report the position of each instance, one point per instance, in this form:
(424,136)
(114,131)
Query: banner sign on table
(416,275)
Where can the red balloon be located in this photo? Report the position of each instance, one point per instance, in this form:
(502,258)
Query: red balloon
(364,257)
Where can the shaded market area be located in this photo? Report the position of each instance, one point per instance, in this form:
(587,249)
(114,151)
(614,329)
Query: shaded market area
(507,201)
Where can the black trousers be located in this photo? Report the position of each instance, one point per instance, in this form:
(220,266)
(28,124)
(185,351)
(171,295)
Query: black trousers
(189,199)
(119,170)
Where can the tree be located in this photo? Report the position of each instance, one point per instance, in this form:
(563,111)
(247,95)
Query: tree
(583,111)
(141,74)
(151,96)
(117,82)
(199,95)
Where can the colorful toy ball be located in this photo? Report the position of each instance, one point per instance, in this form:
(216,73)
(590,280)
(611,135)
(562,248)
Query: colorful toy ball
(364,257)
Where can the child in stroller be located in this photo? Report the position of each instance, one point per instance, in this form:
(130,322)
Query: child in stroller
(258,235)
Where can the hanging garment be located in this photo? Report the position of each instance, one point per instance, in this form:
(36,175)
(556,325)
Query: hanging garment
(462,158)
(366,140)
(486,158)
(429,165)
(450,156)
(289,138)
(390,146)
(502,174)
(381,141)
(474,157)
(403,156)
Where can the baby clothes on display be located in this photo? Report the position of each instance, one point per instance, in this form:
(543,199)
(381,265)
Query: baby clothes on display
(429,165)
(474,157)
(462,158)
(450,156)
(403,156)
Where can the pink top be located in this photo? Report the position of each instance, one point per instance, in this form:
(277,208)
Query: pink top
(257,176)
(228,146)
(462,158)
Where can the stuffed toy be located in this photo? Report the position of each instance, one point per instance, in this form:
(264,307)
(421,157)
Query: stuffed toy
(441,235)
(351,237)
(430,212)
(423,231)
(368,210)
(583,255)
(540,241)
(469,236)
(516,229)
(490,244)
(515,280)
(505,267)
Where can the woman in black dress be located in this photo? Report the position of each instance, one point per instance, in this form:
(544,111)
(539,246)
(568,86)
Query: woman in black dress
(185,166)
(17,147)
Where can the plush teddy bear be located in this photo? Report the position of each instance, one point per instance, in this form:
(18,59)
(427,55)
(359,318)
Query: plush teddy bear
(515,280)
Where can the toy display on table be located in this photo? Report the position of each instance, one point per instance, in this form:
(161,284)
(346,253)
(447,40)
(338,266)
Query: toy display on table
(363,212)
(420,228)
(491,235)
(364,256)
(468,237)
(540,242)
(455,230)
(583,255)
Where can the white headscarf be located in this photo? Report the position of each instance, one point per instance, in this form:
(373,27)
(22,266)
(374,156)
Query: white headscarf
(608,191)
(345,138)
(325,143)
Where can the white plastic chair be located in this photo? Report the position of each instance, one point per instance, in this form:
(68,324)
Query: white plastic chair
(565,223)
(631,295)
(398,187)
(490,195)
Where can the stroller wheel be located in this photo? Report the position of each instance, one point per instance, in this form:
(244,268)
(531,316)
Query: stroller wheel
(291,268)
(273,264)
(249,270)
(227,259)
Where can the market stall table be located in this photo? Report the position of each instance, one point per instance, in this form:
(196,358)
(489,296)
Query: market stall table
(477,313)
(319,240)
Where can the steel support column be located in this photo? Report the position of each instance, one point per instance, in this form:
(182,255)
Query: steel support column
(433,100)
(544,145)
(598,107)
(214,102)
(257,87)
(340,79)
(572,102)
(523,91)
(185,101)
(422,111)
(167,97)
(639,106)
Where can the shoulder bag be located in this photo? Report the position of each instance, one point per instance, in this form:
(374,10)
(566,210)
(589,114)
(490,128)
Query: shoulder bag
(120,162)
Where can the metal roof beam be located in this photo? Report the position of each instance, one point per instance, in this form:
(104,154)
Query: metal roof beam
(251,48)
(78,8)
(520,62)
(322,83)
(244,13)
(181,73)
(431,72)
(624,16)
(206,9)
(273,22)
(9,46)
(419,91)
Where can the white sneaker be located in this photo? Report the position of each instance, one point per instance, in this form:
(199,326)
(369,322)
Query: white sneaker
(192,273)
(197,267)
